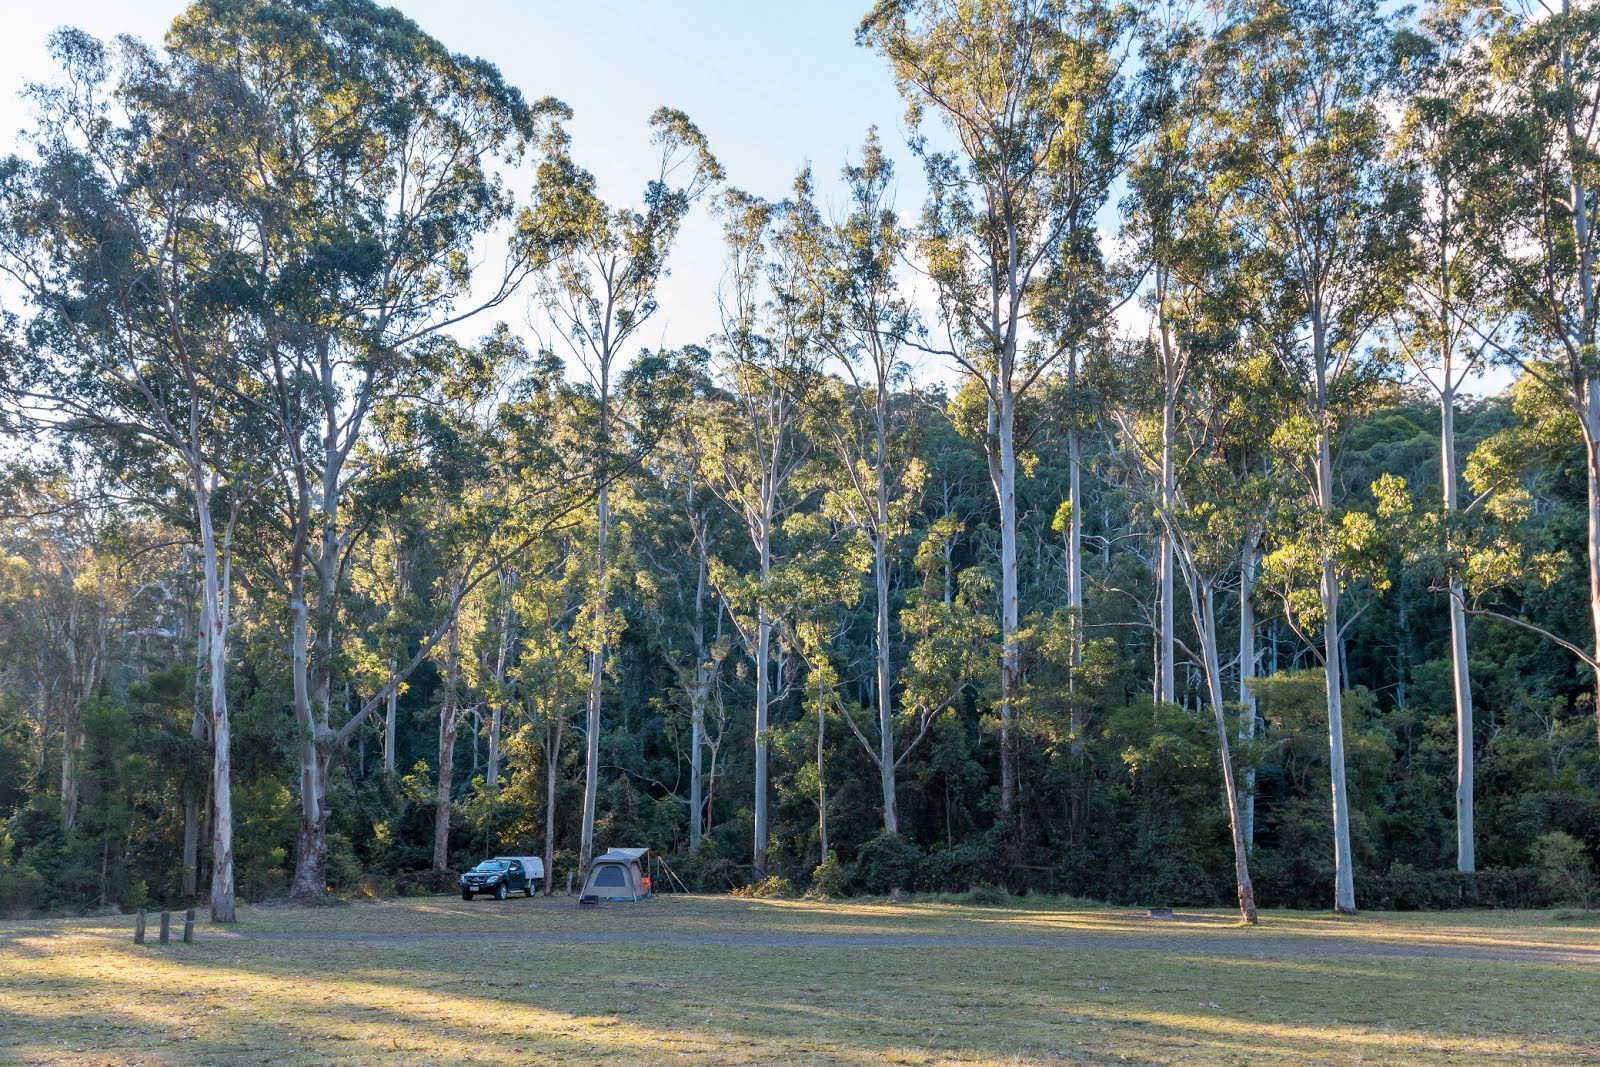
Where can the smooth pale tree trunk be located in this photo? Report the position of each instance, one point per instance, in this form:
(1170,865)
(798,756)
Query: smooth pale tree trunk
(597,658)
(313,680)
(822,778)
(310,843)
(1591,433)
(699,691)
(192,798)
(492,774)
(886,745)
(1344,900)
(763,696)
(71,718)
(71,746)
(1247,671)
(552,767)
(1075,526)
(502,658)
(391,709)
(447,751)
(1461,678)
(1003,467)
(764,627)
(1076,546)
(697,732)
(215,609)
(1205,610)
(1166,656)
(1589,313)
(597,667)
(880,577)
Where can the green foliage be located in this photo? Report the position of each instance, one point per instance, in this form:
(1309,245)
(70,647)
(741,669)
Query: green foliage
(887,862)
(830,878)
(21,887)
(1565,869)
(984,894)
(380,479)
(772,886)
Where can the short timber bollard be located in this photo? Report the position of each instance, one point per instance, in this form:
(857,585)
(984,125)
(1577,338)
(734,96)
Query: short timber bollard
(166,926)
(138,928)
(188,927)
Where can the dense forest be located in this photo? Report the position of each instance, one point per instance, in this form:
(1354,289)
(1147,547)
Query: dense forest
(1206,571)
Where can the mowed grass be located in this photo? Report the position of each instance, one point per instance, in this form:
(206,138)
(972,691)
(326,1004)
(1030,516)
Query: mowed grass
(782,982)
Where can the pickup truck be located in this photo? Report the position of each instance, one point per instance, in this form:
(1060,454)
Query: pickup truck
(503,875)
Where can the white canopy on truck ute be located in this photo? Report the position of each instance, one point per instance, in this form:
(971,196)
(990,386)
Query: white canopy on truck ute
(533,865)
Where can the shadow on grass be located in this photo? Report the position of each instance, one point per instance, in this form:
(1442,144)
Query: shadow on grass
(228,999)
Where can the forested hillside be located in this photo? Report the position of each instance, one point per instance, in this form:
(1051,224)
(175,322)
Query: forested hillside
(1140,517)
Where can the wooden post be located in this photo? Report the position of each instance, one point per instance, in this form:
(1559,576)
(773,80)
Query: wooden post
(166,926)
(138,928)
(188,927)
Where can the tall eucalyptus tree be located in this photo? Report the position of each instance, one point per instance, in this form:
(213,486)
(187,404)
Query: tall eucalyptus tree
(1033,95)
(371,177)
(1300,121)
(866,322)
(1447,317)
(1533,197)
(765,358)
(598,290)
(130,239)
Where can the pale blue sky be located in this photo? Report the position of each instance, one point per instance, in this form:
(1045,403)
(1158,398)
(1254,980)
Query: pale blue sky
(772,85)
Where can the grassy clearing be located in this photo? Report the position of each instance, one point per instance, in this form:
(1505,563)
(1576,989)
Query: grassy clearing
(79,992)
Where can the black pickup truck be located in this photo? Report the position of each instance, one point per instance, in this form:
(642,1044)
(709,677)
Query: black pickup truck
(502,877)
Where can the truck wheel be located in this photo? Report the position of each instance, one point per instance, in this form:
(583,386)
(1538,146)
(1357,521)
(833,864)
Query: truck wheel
(500,891)
(466,894)
(528,892)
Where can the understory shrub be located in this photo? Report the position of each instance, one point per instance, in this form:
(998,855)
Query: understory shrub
(967,863)
(426,883)
(984,894)
(21,887)
(771,886)
(1404,888)
(885,863)
(1564,869)
(829,879)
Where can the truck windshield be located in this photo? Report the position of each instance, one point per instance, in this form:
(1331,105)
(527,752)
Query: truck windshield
(490,865)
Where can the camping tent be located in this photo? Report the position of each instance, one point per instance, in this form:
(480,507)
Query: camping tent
(617,875)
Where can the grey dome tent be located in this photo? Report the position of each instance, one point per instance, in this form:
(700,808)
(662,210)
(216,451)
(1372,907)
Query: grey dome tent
(617,875)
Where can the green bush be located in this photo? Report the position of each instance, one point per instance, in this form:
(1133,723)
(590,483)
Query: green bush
(21,887)
(344,869)
(707,870)
(986,895)
(967,863)
(770,886)
(885,863)
(1564,868)
(828,880)
(1404,888)
(427,883)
